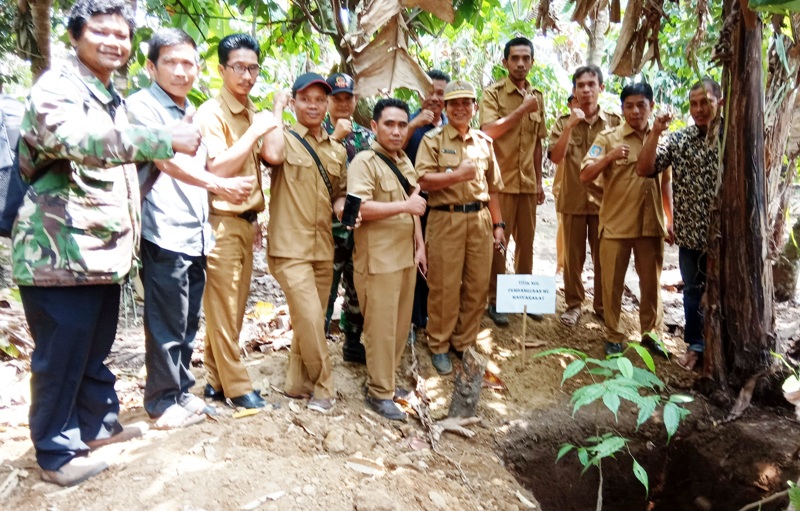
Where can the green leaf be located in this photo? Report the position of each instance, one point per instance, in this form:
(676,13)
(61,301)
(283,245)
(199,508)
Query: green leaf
(561,351)
(601,371)
(583,457)
(647,378)
(564,450)
(625,367)
(8,348)
(572,369)
(672,417)
(586,395)
(611,400)
(794,497)
(609,447)
(647,358)
(641,475)
(646,409)
(680,398)
(780,49)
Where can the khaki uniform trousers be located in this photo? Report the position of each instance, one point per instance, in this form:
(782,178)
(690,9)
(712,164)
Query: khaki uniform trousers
(648,254)
(229,267)
(307,285)
(519,214)
(386,299)
(577,230)
(460,247)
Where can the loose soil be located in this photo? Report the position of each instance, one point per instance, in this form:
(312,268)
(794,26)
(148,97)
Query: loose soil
(354,459)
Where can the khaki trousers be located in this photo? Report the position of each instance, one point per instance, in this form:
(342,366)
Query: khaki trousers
(577,230)
(460,247)
(519,214)
(648,254)
(386,300)
(306,285)
(228,267)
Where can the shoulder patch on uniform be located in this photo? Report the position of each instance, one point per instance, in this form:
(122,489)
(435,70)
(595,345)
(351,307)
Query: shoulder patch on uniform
(595,150)
(480,134)
(433,132)
(608,130)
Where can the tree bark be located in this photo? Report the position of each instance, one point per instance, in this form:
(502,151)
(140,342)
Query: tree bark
(787,267)
(596,30)
(468,382)
(740,316)
(38,49)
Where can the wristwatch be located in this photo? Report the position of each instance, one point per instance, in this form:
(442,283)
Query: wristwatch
(499,224)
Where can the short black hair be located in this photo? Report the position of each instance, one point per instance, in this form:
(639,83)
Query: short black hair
(707,81)
(636,89)
(385,103)
(166,37)
(83,10)
(517,41)
(591,68)
(235,42)
(435,74)
(570,98)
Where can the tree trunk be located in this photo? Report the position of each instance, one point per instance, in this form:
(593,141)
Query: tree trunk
(38,49)
(468,382)
(596,31)
(739,312)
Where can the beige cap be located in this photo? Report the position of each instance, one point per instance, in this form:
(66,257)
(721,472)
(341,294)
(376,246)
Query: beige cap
(459,89)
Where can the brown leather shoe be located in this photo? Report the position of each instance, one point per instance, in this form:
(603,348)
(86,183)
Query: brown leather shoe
(75,471)
(128,432)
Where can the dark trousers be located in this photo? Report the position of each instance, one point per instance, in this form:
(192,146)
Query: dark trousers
(693,272)
(419,313)
(72,391)
(351,321)
(173,295)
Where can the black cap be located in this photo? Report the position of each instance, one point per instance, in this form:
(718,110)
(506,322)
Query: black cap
(308,79)
(341,82)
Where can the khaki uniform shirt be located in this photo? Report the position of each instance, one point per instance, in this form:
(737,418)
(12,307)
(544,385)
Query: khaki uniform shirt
(631,205)
(223,120)
(515,149)
(386,245)
(573,196)
(444,148)
(300,207)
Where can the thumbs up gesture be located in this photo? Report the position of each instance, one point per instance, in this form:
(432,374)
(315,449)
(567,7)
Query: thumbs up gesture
(186,136)
(415,204)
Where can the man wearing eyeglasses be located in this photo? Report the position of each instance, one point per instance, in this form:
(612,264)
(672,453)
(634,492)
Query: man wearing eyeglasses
(233,132)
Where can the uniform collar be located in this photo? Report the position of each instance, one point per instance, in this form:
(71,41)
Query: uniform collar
(97,88)
(511,88)
(379,149)
(628,130)
(164,99)
(453,133)
(302,130)
(233,104)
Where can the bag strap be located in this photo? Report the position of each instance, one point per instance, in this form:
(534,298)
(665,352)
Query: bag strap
(400,177)
(320,168)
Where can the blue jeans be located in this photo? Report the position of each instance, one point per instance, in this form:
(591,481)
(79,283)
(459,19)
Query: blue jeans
(693,271)
(72,391)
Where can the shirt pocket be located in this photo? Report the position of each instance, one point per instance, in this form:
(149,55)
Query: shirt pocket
(448,161)
(531,122)
(576,147)
(299,167)
(390,188)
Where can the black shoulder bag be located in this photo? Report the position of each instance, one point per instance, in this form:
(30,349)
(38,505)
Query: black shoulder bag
(320,168)
(400,177)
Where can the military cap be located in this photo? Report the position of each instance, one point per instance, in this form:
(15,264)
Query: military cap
(459,89)
(341,82)
(307,80)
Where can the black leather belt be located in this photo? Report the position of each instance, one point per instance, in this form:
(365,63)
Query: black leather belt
(250,216)
(472,207)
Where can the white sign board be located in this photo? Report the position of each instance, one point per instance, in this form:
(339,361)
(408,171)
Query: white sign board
(538,292)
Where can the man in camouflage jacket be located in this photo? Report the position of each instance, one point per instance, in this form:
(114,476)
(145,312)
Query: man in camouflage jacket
(76,237)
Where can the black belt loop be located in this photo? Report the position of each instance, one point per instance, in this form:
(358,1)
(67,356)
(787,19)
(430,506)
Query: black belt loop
(250,216)
(472,207)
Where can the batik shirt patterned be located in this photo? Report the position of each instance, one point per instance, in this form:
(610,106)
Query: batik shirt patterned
(695,163)
(358,140)
(79,223)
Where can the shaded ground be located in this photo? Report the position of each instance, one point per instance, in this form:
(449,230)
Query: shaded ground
(310,462)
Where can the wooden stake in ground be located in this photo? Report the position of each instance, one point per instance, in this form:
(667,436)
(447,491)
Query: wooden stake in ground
(468,382)
(524,329)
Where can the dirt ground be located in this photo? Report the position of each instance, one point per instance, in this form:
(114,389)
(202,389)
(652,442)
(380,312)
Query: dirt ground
(289,458)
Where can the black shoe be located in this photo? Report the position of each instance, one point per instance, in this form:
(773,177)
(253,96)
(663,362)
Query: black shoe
(211,393)
(441,362)
(612,348)
(251,400)
(655,345)
(401,393)
(353,351)
(536,317)
(499,318)
(458,354)
(386,408)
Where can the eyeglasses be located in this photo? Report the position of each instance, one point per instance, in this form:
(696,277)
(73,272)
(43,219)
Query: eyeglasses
(239,69)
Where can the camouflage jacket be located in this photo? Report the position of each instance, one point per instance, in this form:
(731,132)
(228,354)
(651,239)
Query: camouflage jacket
(79,223)
(358,140)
